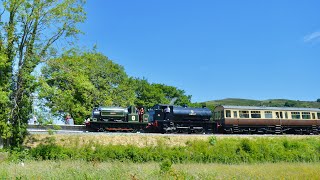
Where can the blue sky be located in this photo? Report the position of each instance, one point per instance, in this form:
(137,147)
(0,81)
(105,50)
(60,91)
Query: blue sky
(213,49)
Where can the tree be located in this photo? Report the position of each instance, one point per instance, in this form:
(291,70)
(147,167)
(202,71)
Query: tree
(318,100)
(27,36)
(5,128)
(75,83)
(290,104)
(150,94)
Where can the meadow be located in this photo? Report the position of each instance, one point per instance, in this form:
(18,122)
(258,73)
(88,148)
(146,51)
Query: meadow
(120,170)
(138,156)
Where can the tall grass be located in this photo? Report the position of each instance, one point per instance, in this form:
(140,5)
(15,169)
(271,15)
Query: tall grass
(118,170)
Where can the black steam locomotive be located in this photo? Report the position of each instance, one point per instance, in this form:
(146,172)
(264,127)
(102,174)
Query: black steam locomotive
(176,119)
(160,118)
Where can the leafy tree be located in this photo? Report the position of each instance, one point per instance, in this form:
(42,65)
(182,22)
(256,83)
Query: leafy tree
(75,83)
(318,100)
(5,128)
(147,94)
(29,28)
(290,104)
(150,94)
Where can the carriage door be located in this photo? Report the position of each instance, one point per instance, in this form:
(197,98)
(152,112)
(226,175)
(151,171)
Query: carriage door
(279,115)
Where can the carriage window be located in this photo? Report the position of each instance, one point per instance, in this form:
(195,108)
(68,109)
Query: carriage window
(268,114)
(286,115)
(313,115)
(244,114)
(306,115)
(255,114)
(318,114)
(295,115)
(228,113)
(235,114)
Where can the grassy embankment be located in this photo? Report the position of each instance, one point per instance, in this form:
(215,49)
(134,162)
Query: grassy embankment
(177,149)
(156,157)
(118,170)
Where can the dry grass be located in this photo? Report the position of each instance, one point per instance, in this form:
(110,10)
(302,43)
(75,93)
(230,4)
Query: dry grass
(140,140)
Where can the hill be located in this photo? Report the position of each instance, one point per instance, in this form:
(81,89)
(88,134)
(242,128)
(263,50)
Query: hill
(268,103)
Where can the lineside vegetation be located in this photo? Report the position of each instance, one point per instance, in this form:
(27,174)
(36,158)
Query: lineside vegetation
(211,149)
(123,170)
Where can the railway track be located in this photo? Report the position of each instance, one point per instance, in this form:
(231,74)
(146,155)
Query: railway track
(81,129)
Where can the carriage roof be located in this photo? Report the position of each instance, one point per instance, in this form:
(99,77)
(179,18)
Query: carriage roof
(269,108)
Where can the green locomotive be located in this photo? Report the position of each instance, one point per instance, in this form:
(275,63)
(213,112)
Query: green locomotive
(120,119)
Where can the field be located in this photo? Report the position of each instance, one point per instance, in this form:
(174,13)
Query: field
(140,156)
(107,170)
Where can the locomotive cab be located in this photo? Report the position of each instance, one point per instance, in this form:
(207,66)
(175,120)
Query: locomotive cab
(158,112)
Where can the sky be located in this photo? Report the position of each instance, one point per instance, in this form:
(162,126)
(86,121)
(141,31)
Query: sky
(213,49)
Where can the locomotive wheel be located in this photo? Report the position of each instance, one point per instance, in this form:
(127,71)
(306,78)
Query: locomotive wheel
(101,129)
(199,131)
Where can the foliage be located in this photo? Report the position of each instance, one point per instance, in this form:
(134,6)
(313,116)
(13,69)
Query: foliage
(318,100)
(227,151)
(75,83)
(5,128)
(150,94)
(165,166)
(290,104)
(212,140)
(268,103)
(29,28)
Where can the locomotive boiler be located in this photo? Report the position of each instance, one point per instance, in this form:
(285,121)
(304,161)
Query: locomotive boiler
(180,119)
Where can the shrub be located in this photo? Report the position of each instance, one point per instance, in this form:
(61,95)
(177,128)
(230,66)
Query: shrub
(213,140)
(228,150)
(165,166)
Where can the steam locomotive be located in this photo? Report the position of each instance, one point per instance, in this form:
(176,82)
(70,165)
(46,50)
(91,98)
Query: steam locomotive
(117,119)
(164,118)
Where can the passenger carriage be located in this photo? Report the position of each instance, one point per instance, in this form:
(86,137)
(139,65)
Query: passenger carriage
(252,119)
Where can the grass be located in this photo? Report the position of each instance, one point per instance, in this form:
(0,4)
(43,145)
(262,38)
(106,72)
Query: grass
(163,157)
(118,170)
(177,149)
(139,140)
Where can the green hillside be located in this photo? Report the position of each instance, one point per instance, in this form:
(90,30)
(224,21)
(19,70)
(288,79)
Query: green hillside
(269,103)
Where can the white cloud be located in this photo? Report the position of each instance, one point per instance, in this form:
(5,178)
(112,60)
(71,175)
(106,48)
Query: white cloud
(312,37)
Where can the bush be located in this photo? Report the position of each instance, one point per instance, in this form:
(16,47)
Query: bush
(228,150)
(165,166)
